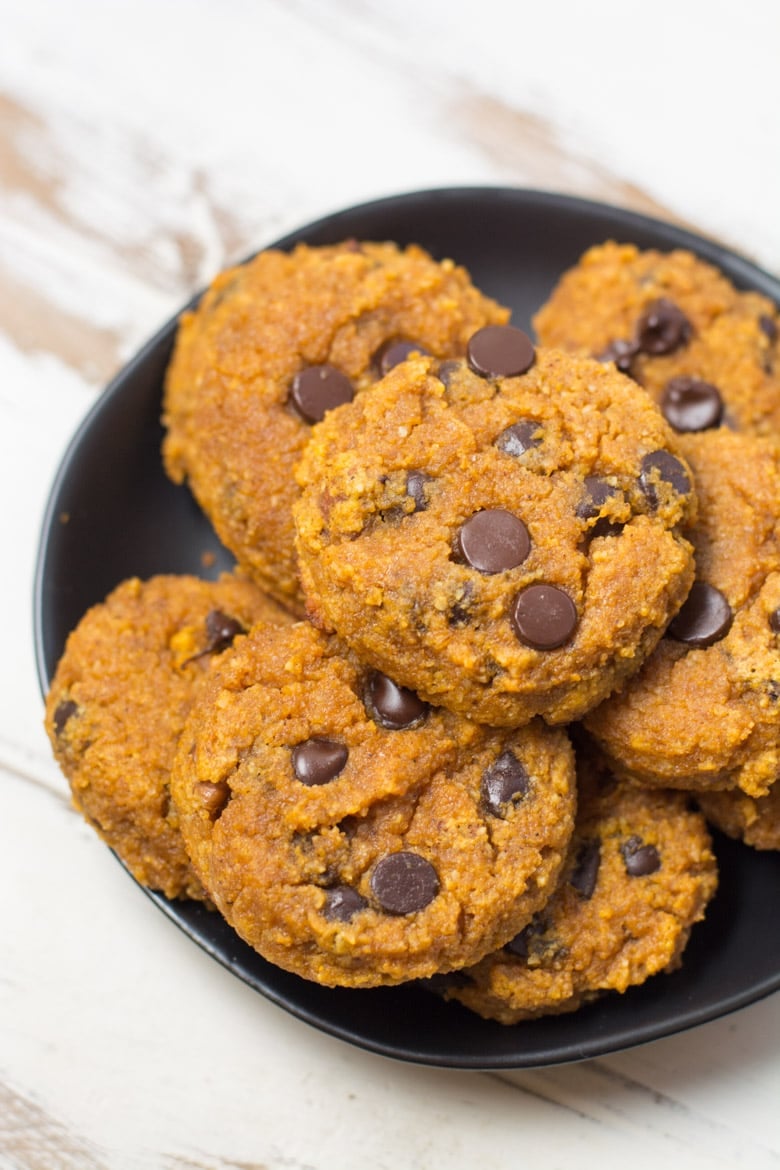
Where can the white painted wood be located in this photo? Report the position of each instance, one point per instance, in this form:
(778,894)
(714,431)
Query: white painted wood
(142,146)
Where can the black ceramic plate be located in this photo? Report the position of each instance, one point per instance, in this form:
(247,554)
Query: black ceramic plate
(125,518)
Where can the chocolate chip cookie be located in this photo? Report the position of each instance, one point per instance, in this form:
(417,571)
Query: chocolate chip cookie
(704,712)
(502,534)
(706,352)
(639,875)
(351,833)
(118,701)
(271,348)
(756,821)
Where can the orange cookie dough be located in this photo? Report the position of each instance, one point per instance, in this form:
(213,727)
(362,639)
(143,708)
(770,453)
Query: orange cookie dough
(704,712)
(706,352)
(350,833)
(118,701)
(640,874)
(504,534)
(271,347)
(754,821)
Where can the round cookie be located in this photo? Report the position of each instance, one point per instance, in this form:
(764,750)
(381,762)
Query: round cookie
(706,352)
(350,833)
(504,539)
(639,875)
(754,821)
(118,701)
(275,343)
(704,711)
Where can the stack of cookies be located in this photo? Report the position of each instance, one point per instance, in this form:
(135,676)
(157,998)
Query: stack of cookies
(500,611)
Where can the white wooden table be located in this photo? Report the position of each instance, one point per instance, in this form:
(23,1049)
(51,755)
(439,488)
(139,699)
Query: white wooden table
(144,145)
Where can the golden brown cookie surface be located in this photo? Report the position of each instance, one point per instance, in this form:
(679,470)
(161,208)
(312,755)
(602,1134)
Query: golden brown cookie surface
(756,821)
(118,701)
(507,545)
(639,875)
(275,343)
(352,834)
(704,711)
(705,351)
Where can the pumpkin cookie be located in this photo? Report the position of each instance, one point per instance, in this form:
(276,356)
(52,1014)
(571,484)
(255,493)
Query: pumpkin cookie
(275,344)
(704,711)
(503,534)
(754,821)
(640,874)
(706,352)
(354,835)
(118,701)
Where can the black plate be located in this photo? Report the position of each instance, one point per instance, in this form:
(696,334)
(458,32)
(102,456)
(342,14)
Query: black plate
(125,518)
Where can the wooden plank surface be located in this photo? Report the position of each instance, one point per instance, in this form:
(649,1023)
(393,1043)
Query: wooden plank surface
(142,147)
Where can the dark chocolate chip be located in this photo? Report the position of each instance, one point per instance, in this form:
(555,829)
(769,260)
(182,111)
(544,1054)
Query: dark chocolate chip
(213,797)
(500,351)
(544,617)
(503,782)
(586,868)
(622,353)
(404,882)
(662,465)
(774,625)
(705,617)
(597,492)
(518,945)
(392,706)
(662,328)
(769,326)
(221,630)
(639,859)
(415,487)
(447,370)
(493,541)
(689,404)
(460,611)
(318,389)
(342,902)
(392,353)
(520,437)
(317,761)
(62,713)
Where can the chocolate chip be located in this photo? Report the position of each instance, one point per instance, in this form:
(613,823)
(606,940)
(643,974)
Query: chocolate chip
(415,487)
(62,713)
(769,326)
(318,389)
(503,782)
(213,797)
(393,352)
(459,613)
(544,617)
(705,617)
(518,945)
(342,902)
(689,404)
(447,371)
(404,882)
(639,859)
(392,706)
(493,541)
(520,437)
(664,467)
(586,868)
(220,631)
(622,353)
(662,328)
(500,351)
(317,761)
(597,492)
(774,625)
